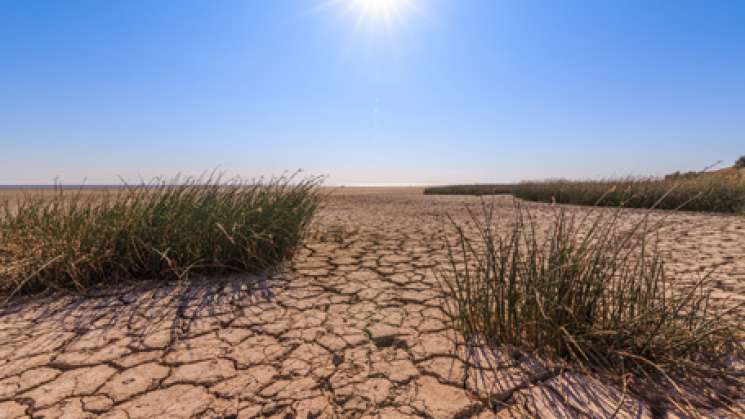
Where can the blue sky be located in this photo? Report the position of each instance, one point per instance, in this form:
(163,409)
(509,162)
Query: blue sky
(450,91)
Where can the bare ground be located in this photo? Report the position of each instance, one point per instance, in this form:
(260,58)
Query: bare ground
(354,328)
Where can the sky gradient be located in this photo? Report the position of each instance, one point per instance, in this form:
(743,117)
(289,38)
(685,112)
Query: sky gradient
(451,92)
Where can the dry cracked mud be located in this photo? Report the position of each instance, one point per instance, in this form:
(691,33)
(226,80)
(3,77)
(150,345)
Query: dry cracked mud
(353,328)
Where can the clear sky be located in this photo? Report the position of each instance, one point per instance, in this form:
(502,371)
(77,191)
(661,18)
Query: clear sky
(409,91)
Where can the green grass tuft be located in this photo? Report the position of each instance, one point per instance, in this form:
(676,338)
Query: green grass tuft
(160,230)
(592,294)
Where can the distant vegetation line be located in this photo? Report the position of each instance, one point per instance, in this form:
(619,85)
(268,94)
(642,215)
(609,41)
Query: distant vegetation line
(117,186)
(66,187)
(475,189)
(722,191)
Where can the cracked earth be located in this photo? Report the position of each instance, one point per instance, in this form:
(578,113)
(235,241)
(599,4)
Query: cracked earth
(354,327)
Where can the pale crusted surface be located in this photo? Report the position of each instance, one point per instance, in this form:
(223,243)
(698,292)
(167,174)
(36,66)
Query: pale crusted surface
(354,329)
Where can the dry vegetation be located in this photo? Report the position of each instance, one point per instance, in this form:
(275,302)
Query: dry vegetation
(77,239)
(710,193)
(717,192)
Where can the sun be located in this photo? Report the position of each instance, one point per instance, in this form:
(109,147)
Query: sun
(385,10)
(373,13)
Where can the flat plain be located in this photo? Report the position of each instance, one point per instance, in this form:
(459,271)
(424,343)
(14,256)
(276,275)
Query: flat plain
(354,327)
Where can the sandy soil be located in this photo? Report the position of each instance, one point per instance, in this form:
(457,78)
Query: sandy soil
(354,328)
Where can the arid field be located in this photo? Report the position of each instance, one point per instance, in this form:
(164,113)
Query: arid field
(353,327)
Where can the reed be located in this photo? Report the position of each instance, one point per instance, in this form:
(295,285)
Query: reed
(702,192)
(708,192)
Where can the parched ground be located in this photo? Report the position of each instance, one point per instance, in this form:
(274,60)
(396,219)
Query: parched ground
(354,328)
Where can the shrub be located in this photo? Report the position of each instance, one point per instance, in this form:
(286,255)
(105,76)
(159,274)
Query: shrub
(160,230)
(740,163)
(594,297)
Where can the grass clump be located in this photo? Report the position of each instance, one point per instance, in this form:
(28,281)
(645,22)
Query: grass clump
(593,294)
(159,230)
(703,192)
(476,189)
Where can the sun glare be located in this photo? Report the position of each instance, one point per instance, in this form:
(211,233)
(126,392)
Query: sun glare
(388,13)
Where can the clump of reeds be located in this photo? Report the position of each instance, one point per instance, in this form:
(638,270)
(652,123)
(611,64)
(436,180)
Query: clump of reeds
(159,230)
(593,294)
(695,191)
(710,192)
(476,189)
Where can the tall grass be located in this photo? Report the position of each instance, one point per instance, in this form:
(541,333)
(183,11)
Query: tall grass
(707,192)
(692,191)
(159,230)
(593,294)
